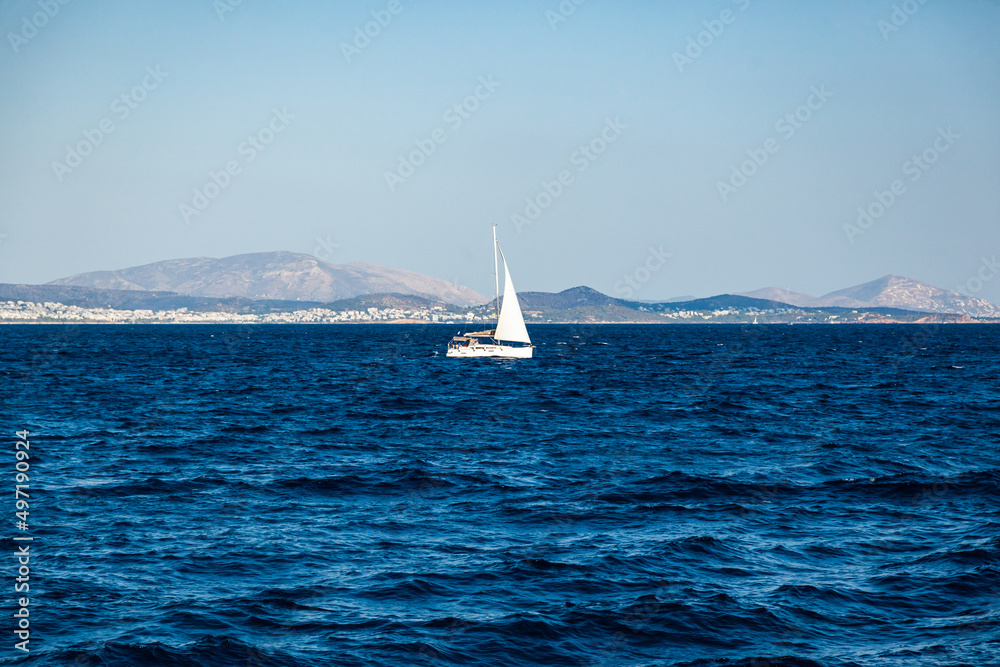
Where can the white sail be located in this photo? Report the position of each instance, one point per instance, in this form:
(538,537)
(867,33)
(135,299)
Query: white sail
(510,338)
(510,324)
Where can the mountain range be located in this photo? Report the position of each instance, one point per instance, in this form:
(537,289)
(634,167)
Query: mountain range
(890,291)
(284,276)
(281,281)
(583,304)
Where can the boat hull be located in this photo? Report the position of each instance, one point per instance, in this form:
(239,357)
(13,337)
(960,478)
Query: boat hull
(500,351)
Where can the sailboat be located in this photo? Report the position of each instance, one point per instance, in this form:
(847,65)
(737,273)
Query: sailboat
(510,337)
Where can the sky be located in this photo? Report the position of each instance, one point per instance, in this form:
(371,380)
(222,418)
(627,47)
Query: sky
(645,149)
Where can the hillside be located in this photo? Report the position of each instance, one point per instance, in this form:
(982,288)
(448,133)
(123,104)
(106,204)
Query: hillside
(900,292)
(783,296)
(86,297)
(888,292)
(284,276)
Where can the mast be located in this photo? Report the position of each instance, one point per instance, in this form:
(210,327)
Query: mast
(496,276)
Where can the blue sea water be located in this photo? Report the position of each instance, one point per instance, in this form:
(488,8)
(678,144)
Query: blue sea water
(745,496)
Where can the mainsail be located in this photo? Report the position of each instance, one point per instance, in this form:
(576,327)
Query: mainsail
(510,323)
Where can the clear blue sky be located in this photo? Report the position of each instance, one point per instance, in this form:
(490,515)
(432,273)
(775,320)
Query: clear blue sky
(679,127)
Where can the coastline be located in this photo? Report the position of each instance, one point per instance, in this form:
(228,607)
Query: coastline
(962,320)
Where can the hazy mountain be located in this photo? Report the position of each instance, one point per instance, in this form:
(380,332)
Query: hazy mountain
(723,302)
(784,296)
(273,275)
(888,292)
(900,292)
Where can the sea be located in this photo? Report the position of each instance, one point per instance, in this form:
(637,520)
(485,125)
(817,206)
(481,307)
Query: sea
(672,495)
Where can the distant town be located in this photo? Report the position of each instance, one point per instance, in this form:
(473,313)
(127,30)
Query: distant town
(21,311)
(25,312)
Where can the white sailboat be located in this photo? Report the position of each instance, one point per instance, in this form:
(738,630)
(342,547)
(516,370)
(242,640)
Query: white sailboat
(510,337)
